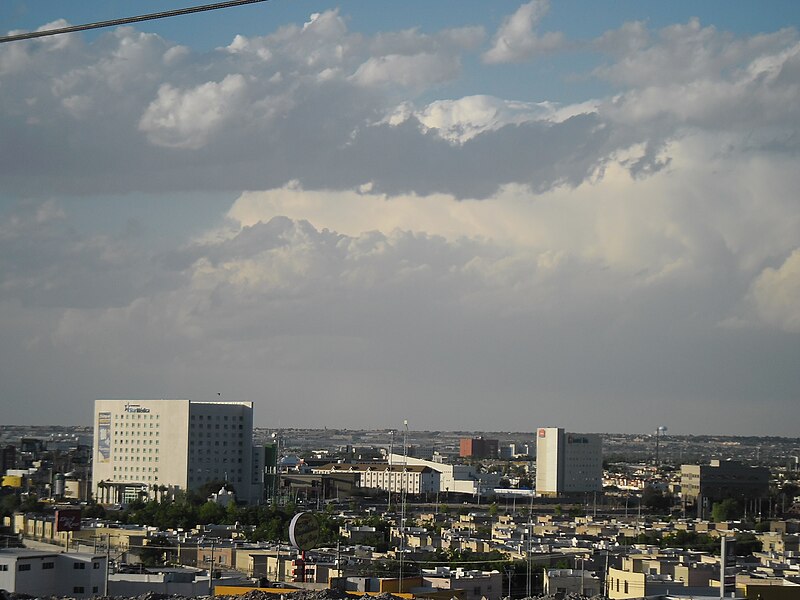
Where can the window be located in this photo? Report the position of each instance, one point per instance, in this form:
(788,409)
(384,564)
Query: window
(24,567)
(96,565)
(3,567)
(78,565)
(78,589)
(95,589)
(48,565)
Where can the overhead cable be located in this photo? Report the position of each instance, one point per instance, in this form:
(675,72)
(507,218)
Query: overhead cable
(126,20)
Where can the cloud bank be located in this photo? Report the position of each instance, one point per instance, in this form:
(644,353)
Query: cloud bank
(398,256)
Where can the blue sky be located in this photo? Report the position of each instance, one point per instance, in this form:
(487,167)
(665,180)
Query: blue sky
(469,215)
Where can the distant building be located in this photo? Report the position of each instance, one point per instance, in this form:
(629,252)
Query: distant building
(144,447)
(568,463)
(703,484)
(478,448)
(413,479)
(8,458)
(453,479)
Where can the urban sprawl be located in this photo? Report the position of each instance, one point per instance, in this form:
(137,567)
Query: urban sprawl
(189,498)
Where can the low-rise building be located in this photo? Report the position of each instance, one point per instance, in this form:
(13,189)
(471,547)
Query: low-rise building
(41,573)
(572,581)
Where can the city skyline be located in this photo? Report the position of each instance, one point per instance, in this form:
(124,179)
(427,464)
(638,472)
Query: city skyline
(465,215)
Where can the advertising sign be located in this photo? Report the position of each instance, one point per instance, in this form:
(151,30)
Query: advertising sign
(104,437)
(68,519)
(304,531)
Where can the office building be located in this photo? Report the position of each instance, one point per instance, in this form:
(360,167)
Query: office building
(477,448)
(702,484)
(568,463)
(146,448)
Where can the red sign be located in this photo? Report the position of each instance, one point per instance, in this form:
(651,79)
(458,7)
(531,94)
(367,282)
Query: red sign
(68,519)
(542,432)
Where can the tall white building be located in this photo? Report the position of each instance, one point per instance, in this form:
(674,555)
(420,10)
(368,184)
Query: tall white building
(568,463)
(144,446)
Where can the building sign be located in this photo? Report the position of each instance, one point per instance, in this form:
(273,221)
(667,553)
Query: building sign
(135,408)
(104,437)
(542,432)
(304,531)
(68,519)
(577,439)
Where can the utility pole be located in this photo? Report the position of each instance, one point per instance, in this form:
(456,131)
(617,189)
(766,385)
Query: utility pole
(404,485)
(391,473)
(108,559)
(722,561)
(211,572)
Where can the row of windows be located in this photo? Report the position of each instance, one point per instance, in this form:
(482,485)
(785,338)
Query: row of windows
(149,469)
(217,417)
(136,416)
(127,478)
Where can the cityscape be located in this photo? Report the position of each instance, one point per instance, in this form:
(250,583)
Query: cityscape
(189,498)
(452,300)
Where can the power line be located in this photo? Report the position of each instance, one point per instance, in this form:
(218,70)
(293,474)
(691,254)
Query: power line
(124,21)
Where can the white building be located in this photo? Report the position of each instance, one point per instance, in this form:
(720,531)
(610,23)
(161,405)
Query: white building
(144,446)
(42,574)
(456,479)
(413,479)
(474,585)
(568,463)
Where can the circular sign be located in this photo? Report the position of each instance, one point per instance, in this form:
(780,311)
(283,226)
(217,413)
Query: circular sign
(304,531)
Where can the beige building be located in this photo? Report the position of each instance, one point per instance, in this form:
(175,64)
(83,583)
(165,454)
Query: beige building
(413,479)
(142,447)
(568,463)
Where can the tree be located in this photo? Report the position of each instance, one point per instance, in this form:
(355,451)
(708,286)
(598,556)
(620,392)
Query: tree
(726,510)
(656,500)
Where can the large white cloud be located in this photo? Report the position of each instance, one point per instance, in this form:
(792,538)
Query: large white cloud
(404,252)
(186,118)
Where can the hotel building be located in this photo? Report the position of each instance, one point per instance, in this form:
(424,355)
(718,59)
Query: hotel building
(143,448)
(568,463)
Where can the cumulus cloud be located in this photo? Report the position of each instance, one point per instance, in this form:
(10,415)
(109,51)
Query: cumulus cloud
(517,39)
(399,249)
(775,292)
(461,120)
(186,118)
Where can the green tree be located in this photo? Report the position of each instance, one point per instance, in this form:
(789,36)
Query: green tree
(656,500)
(726,510)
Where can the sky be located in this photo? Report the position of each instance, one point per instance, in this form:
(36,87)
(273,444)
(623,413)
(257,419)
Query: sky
(486,216)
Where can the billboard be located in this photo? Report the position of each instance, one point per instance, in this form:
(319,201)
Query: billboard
(68,519)
(104,437)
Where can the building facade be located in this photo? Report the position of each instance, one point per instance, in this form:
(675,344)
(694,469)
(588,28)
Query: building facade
(412,479)
(723,479)
(143,448)
(478,448)
(568,463)
(45,574)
